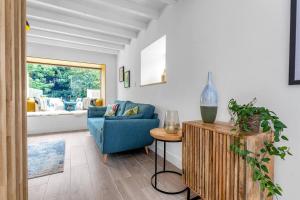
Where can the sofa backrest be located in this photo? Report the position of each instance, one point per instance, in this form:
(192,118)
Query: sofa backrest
(146,109)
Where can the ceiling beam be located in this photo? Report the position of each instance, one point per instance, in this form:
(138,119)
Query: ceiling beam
(81,9)
(65,20)
(169,1)
(68,44)
(130,7)
(67,30)
(76,40)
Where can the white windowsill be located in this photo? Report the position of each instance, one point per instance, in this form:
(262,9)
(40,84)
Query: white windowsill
(55,113)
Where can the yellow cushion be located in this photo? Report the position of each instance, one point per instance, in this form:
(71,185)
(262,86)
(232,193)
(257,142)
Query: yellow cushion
(99,102)
(30,105)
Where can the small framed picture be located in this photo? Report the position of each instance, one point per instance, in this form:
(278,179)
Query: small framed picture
(294,72)
(121,74)
(127,79)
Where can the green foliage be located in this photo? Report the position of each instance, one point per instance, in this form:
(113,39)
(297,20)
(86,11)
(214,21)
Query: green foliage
(62,82)
(270,122)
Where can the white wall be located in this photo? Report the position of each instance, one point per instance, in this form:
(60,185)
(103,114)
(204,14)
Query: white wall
(246,46)
(59,53)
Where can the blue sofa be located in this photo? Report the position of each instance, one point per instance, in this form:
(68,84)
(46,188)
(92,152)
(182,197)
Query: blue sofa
(119,133)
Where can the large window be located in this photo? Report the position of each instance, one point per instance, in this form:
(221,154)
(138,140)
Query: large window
(54,85)
(62,82)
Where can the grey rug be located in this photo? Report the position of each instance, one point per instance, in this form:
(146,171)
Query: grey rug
(45,158)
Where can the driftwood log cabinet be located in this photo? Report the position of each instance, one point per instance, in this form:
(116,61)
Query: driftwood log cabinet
(212,170)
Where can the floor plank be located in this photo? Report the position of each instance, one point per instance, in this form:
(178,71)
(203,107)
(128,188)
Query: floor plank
(37,192)
(81,184)
(59,184)
(126,176)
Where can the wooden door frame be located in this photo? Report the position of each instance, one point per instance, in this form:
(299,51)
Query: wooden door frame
(13,125)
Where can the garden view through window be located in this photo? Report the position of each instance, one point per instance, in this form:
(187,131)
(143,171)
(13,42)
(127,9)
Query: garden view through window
(54,88)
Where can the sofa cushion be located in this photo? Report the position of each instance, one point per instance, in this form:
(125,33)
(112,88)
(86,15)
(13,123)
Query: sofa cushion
(111,110)
(146,109)
(131,111)
(121,107)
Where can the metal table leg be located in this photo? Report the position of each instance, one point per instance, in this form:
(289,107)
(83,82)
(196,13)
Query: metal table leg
(164,156)
(154,176)
(155,163)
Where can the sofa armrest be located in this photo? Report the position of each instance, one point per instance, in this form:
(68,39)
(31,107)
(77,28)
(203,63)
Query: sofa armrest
(119,135)
(95,112)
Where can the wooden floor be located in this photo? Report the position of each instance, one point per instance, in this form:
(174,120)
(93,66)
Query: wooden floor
(126,176)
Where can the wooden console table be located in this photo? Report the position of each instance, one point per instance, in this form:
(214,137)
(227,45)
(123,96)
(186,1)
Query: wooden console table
(214,172)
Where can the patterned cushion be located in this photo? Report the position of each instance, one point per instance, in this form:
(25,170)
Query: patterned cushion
(146,109)
(86,102)
(131,111)
(111,110)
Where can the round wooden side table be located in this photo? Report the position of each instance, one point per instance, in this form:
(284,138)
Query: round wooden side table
(159,134)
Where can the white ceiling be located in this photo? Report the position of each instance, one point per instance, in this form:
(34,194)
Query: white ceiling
(103,26)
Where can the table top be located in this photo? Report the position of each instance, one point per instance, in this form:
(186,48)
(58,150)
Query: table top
(224,128)
(161,134)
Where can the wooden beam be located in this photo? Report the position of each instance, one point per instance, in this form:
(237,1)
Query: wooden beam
(85,11)
(129,7)
(67,30)
(74,39)
(69,44)
(48,17)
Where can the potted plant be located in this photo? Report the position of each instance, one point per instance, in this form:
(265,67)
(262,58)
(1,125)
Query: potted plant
(248,118)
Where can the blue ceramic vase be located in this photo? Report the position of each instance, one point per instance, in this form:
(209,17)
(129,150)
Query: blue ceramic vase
(209,101)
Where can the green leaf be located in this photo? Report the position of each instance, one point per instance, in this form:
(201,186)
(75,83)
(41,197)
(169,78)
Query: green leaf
(266,128)
(266,160)
(276,138)
(264,168)
(263,150)
(264,123)
(283,148)
(282,156)
(270,194)
(284,138)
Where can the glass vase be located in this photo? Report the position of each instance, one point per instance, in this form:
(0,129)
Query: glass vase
(171,122)
(209,101)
